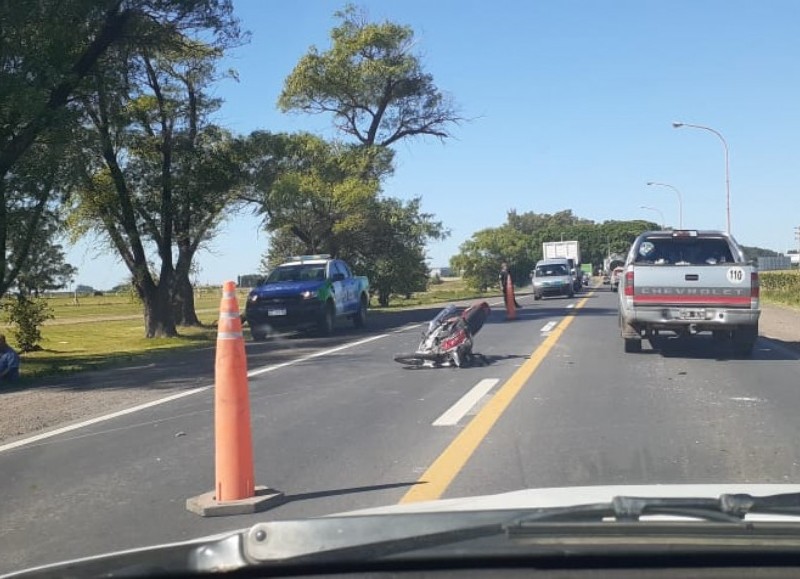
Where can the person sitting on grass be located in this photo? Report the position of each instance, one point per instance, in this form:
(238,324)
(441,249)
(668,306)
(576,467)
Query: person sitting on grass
(9,362)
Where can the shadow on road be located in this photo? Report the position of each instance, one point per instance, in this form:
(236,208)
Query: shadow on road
(705,347)
(345,491)
(479,361)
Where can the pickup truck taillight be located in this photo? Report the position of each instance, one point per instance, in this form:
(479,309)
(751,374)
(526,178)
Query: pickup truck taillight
(629,284)
(755,286)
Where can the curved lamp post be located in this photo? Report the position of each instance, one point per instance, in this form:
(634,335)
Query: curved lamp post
(727,169)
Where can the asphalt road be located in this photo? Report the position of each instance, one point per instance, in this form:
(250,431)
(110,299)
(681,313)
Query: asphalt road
(337,425)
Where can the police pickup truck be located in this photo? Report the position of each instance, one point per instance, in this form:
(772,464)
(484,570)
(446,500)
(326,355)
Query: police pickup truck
(309,290)
(688,282)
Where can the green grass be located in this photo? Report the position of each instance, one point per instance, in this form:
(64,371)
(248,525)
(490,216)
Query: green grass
(781,287)
(71,348)
(781,298)
(115,305)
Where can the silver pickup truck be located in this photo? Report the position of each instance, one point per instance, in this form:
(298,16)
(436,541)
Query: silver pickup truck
(688,282)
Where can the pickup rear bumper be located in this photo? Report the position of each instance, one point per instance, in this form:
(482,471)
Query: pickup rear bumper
(679,318)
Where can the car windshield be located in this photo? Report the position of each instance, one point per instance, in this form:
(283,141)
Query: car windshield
(550,270)
(305,272)
(227,228)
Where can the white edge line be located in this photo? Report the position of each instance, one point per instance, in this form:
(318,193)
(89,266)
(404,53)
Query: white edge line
(266,369)
(457,411)
(103,418)
(407,327)
(548,326)
(177,396)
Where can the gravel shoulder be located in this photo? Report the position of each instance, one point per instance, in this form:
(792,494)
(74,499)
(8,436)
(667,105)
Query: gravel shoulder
(57,401)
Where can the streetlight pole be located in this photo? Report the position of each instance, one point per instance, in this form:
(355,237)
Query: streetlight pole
(727,168)
(661,213)
(680,200)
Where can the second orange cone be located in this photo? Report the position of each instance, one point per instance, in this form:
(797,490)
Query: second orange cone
(511,307)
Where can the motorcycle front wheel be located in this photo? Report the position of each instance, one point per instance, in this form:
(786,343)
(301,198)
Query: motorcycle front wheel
(410,359)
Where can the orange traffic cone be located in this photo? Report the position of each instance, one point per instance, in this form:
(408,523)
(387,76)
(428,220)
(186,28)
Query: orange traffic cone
(511,302)
(235,491)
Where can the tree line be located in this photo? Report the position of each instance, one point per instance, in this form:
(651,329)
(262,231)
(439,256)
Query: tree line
(107,129)
(519,243)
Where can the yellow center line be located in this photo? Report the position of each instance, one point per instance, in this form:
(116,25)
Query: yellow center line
(434,482)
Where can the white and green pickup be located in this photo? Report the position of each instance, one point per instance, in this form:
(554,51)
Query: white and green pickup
(688,282)
(308,290)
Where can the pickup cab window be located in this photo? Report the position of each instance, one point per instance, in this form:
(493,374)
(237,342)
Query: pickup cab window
(684,251)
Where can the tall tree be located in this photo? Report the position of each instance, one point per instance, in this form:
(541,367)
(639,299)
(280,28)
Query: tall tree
(47,49)
(390,249)
(47,268)
(317,190)
(372,82)
(151,160)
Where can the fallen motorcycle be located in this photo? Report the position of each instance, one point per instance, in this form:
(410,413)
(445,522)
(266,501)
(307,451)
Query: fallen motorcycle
(448,338)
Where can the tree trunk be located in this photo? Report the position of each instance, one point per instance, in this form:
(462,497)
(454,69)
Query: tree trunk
(183,302)
(159,321)
(383,298)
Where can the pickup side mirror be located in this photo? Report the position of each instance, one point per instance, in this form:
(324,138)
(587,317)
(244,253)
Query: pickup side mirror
(337,277)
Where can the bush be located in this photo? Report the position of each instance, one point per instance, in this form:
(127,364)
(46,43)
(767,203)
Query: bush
(26,315)
(780,281)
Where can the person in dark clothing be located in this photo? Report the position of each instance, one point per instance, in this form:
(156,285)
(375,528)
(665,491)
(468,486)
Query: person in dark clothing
(504,282)
(9,362)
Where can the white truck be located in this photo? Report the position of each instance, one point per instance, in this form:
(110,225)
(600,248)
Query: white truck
(688,282)
(570,250)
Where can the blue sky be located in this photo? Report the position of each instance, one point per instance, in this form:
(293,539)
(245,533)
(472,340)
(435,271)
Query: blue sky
(570,106)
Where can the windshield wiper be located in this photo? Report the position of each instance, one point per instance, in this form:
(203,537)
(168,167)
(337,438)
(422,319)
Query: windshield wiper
(730,508)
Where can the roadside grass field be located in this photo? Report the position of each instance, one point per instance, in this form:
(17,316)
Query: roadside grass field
(114,306)
(781,287)
(108,330)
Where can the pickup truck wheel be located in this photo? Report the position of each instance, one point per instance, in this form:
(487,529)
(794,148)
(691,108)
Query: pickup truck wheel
(326,321)
(537,297)
(360,318)
(633,345)
(258,336)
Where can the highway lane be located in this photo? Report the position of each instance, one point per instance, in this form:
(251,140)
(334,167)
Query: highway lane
(352,429)
(686,411)
(345,430)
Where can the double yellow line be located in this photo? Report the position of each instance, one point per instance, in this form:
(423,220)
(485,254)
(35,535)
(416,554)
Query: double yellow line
(434,481)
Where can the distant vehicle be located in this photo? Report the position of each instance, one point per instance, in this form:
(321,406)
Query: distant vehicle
(616,275)
(551,277)
(571,251)
(688,282)
(310,290)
